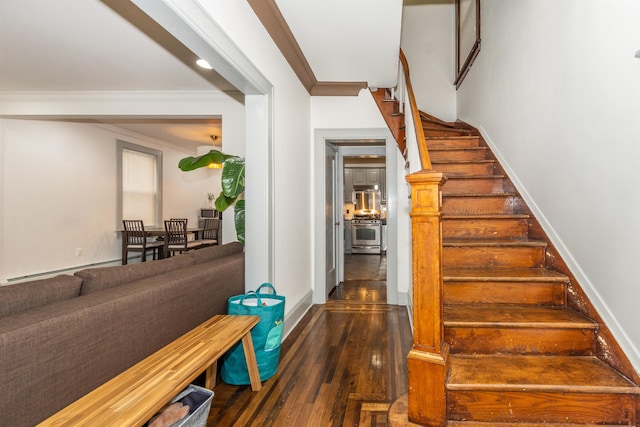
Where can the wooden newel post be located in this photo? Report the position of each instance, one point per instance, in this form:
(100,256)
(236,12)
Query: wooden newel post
(428,359)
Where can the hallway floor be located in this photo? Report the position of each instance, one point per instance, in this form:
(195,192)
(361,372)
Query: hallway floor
(365,280)
(342,365)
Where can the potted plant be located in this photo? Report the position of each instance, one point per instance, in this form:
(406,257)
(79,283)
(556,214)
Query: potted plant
(232,181)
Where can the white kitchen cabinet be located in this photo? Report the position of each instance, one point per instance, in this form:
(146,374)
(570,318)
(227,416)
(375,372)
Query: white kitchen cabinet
(364,176)
(373,176)
(383,183)
(348,184)
(359,176)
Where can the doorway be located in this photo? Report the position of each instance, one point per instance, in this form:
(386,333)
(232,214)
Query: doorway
(364,211)
(352,142)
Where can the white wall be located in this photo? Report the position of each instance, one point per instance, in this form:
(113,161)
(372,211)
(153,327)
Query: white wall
(556,91)
(290,110)
(346,112)
(428,42)
(58,194)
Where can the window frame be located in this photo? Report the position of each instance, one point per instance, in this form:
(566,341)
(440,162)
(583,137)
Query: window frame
(121,146)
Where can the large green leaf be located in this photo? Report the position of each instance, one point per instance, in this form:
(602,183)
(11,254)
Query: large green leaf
(232,182)
(233,177)
(191,163)
(239,220)
(223,202)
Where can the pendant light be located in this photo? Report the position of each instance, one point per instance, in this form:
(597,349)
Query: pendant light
(204,149)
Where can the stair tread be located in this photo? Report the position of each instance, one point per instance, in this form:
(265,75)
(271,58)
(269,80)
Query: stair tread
(585,374)
(457,148)
(493,242)
(500,194)
(485,216)
(484,176)
(492,315)
(460,162)
(504,274)
(454,137)
(436,126)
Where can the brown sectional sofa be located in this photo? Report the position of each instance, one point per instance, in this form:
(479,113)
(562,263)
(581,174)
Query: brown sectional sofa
(62,337)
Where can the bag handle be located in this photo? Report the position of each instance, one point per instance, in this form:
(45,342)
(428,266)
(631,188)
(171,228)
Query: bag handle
(267,286)
(251,294)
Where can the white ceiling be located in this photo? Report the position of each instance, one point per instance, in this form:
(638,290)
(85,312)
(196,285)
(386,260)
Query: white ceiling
(348,41)
(91,45)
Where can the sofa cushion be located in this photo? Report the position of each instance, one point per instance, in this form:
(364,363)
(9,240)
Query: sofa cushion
(97,279)
(28,295)
(214,252)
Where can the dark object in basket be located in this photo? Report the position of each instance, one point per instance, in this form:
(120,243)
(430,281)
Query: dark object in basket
(194,399)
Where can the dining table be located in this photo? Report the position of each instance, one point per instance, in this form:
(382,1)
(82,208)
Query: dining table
(157,231)
(160,233)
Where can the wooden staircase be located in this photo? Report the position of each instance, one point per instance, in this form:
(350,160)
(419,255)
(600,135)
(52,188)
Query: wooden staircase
(520,353)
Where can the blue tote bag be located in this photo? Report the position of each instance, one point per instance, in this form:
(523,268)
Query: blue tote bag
(266,335)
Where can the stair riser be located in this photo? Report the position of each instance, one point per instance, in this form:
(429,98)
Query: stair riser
(479,205)
(541,407)
(430,131)
(566,342)
(522,293)
(463,169)
(485,228)
(468,155)
(493,257)
(389,108)
(451,142)
(473,185)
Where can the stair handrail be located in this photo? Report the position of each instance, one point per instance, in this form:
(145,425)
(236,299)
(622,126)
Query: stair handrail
(428,359)
(415,114)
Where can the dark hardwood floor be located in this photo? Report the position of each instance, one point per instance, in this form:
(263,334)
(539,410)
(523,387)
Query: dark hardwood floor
(342,365)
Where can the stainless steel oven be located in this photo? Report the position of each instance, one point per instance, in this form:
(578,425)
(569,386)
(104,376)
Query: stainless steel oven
(365,236)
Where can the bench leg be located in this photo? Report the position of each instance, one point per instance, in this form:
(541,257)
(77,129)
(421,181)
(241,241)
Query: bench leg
(252,363)
(210,378)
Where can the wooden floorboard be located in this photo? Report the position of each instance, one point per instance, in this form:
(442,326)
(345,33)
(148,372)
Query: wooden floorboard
(342,365)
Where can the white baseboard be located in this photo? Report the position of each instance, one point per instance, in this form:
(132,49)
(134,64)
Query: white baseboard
(69,270)
(294,316)
(403,298)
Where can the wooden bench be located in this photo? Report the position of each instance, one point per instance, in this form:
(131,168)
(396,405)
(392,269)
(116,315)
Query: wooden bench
(134,396)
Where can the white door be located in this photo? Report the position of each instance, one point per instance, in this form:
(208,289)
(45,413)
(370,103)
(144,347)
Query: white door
(331,219)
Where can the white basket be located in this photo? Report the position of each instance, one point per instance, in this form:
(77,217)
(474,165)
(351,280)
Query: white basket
(199,417)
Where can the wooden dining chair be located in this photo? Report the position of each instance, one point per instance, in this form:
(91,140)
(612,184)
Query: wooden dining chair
(176,238)
(210,232)
(135,240)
